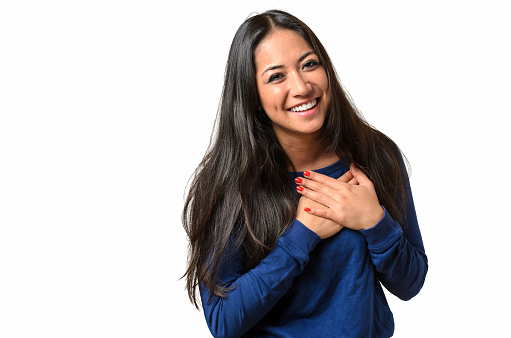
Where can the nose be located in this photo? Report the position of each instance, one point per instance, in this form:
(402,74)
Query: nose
(300,86)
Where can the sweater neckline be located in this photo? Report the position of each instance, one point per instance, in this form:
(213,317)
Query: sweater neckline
(325,171)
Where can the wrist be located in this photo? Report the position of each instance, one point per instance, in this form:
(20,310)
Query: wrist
(377,216)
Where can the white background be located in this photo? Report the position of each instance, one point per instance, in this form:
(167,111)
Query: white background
(107,108)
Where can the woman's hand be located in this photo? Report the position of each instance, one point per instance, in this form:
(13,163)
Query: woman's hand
(349,201)
(323,227)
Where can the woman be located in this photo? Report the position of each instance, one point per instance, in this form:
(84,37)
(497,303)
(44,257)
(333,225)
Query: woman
(300,210)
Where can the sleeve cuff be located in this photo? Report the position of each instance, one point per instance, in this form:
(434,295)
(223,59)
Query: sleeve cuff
(299,241)
(384,234)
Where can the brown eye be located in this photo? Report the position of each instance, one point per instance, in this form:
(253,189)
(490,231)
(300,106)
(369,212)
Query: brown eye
(275,77)
(310,64)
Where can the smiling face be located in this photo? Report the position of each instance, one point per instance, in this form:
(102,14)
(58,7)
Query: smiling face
(292,85)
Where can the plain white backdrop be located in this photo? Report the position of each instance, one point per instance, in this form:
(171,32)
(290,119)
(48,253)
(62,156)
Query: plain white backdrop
(107,108)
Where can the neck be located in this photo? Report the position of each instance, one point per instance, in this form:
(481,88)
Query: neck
(306,152)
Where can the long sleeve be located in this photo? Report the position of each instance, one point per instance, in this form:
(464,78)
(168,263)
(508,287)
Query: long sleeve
(399,256)
(308,287)
(255,292)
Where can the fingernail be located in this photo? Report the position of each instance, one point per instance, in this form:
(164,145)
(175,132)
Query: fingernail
(306,173)
(299,188)
(307,209)
(298,180)
(354,165)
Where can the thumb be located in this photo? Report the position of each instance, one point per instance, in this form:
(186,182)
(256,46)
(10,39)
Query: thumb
(359,175)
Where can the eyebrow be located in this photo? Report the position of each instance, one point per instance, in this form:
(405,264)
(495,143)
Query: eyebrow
(300,59)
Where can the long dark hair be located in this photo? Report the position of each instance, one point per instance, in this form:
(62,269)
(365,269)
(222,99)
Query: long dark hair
(240,199)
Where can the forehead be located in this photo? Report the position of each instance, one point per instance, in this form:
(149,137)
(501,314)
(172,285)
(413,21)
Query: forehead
(280,48)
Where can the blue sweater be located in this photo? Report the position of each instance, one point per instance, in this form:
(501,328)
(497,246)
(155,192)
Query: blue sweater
(308,287)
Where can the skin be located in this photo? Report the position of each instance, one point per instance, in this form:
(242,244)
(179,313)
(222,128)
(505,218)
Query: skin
(288,73)
(297,79)
(351,202)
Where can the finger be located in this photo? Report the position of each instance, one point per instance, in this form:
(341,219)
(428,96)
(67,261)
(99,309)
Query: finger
(316,186)
(320,212)
(326,180)
(315,196)
(360,176)
(353,181)
(346,177)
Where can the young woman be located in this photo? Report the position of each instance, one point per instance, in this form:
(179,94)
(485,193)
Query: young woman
(300,210)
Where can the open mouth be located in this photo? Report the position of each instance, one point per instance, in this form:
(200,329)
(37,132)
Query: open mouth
(303,107)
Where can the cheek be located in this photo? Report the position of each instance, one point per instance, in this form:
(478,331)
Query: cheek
(271,99)
(325,82)
(326,89)
(322,80)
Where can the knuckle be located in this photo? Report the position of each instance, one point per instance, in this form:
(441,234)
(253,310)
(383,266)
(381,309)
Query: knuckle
(323,179)
(343,189)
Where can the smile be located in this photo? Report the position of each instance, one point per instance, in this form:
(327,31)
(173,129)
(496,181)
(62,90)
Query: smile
(305,106)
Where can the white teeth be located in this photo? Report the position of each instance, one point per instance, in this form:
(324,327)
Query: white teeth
(305,106)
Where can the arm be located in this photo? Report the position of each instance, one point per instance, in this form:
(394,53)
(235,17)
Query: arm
(398,255)
(255,292)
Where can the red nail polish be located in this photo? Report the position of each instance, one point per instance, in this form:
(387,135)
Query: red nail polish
(299,188)
(298,180)
(306,173)
(307,209)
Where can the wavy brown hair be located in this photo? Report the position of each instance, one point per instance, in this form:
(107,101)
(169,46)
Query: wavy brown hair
(240,198)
